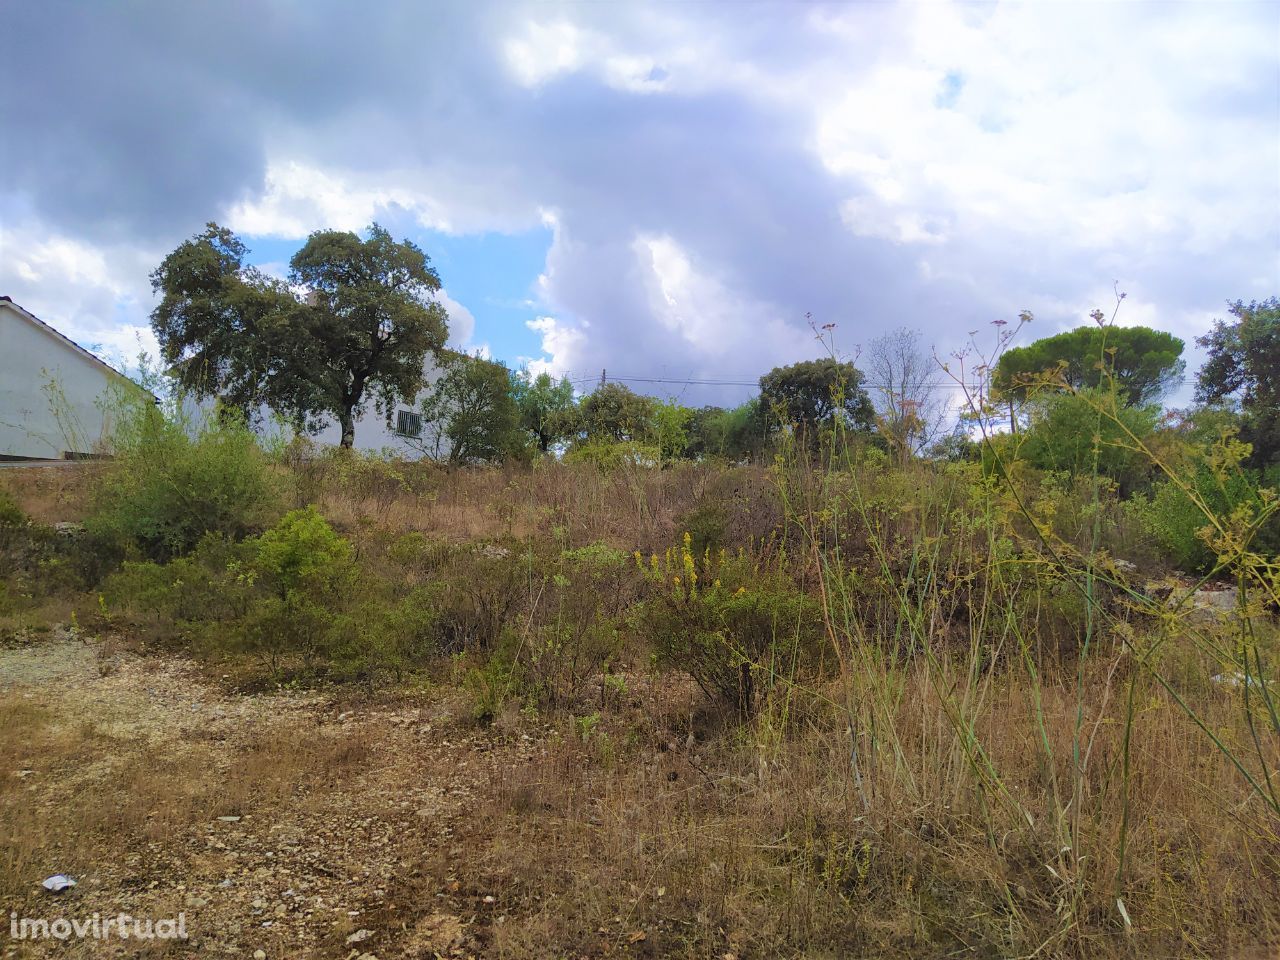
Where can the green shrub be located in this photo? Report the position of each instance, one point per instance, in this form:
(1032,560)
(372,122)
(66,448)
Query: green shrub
(706,525)
(480,591)
(1072,431)
(609,456)
(492,685)
(734,624)
(306,567)
(575,637)
(293,597)
(168,485)
(301,552)
(1180,525)
(11,514)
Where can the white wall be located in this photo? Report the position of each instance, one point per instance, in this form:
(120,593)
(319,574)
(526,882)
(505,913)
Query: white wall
(373,435)
(50,392)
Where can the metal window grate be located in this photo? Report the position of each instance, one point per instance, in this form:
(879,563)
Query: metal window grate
(409,424)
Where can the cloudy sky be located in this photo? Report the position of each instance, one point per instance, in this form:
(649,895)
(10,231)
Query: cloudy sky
(662,190)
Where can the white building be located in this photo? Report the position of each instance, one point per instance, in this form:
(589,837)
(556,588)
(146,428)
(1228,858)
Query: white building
(407,436)
(55,396)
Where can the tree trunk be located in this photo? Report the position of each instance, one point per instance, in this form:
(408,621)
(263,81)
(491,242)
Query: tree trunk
(348,422)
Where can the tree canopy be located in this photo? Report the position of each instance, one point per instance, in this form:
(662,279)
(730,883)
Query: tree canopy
(736,434)
(1144,362)
(471,414)
(362,331)
(613,413)
(225,329)
(813,393)
(369,321)
(1243,368)
(546,408)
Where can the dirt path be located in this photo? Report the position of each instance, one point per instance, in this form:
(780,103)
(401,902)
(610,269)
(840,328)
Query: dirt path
(280,825)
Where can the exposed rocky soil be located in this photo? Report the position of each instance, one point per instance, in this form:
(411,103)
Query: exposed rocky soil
(282,825)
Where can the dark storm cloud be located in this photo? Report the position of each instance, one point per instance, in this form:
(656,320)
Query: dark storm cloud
(714,172)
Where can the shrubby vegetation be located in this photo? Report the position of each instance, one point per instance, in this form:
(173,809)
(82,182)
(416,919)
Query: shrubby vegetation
(918,704)
(173,480)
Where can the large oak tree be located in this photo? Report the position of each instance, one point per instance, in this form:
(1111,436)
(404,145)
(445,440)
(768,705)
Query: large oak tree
(815,393)
(361,330)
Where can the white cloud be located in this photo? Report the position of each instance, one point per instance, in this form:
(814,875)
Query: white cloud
(462,322)
(541,52)
(121,345)
(880,219)
(1040,120)
(56,260)
(300,198)
(545,50)
(562,345)
(701,309)
(84,291)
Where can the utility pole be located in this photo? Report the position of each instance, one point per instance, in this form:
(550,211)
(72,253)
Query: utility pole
(604,376)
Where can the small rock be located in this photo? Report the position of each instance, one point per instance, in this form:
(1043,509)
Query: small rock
(229,819)
(259,955)
(359,936)
(1236,680)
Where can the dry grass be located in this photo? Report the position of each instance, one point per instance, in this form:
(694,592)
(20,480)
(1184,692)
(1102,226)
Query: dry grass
(628,508)
(761,846)
(661,829)
(51,493)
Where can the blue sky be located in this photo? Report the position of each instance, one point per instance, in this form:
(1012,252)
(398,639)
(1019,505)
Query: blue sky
(661,188)
(495,275)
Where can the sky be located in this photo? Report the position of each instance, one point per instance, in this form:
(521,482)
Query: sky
(666,191)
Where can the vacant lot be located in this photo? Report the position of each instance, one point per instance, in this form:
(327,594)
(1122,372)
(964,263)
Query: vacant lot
(560,712)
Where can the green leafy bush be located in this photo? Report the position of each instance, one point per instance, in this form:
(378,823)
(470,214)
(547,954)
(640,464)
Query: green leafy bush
(480,590)
(11,514)
(609,455)
(190,600)
(575,632)
(1181,526)
(170,483)
(1071,431)
(306,569)
(302,552)
(294,597)
(734,624)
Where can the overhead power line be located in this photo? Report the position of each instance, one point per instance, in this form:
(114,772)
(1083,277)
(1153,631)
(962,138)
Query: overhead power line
(696,382)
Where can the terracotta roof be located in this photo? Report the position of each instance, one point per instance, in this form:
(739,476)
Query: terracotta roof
(22,311)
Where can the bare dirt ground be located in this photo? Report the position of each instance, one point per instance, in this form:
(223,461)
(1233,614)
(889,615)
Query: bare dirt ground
(286,824)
